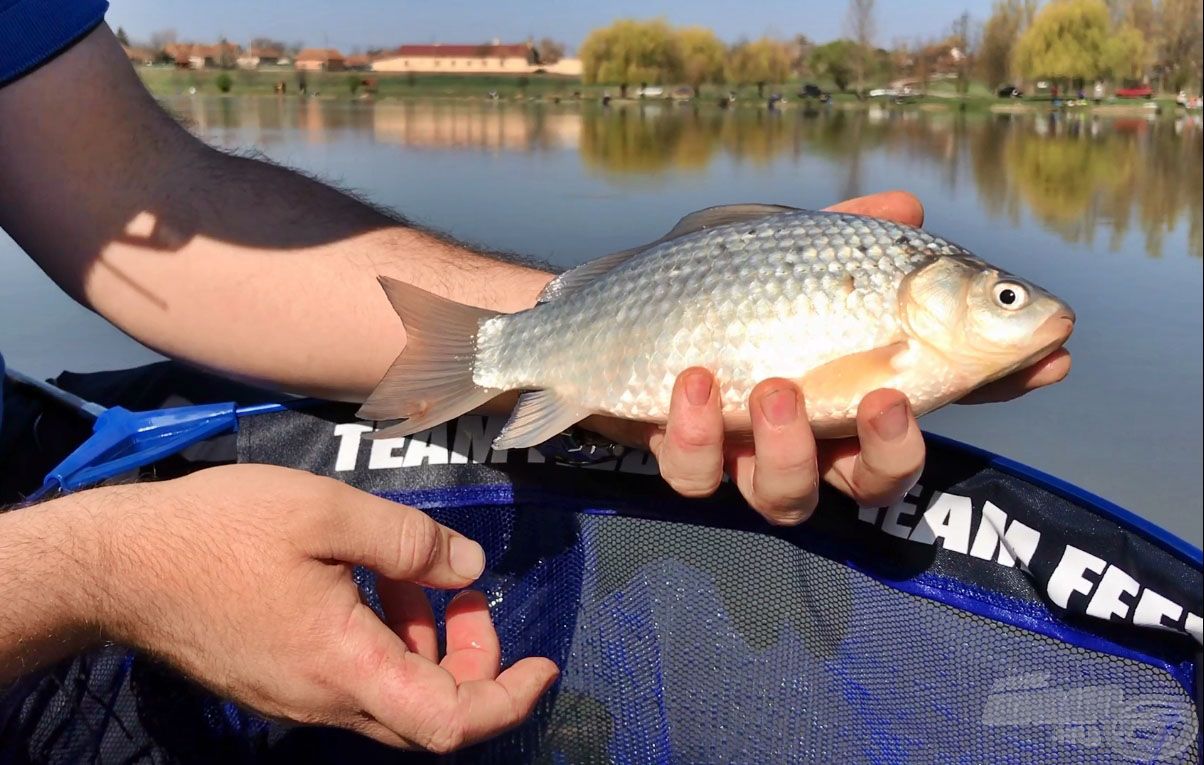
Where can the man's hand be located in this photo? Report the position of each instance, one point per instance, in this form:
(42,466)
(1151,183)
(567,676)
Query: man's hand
(779,472)
(240,577)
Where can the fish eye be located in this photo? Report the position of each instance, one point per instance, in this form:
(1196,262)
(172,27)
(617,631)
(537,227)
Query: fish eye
(1010,296)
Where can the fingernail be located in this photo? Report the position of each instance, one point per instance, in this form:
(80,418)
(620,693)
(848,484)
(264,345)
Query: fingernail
(698,388)
(780,406)
(891,425)
(467,558)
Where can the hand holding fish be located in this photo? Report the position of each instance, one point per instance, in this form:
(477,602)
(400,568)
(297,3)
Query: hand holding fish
(736,341)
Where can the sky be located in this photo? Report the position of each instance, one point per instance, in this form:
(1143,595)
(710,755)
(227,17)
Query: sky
(351,24)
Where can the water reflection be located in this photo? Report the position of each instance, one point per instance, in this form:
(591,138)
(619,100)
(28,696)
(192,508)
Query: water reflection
(1080,176)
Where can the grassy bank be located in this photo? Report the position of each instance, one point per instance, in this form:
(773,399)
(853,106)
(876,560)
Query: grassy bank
(167,81)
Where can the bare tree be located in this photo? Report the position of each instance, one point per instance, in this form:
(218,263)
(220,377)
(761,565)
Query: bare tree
(549,51)
(861,26)
(162,38)
(961,37)
(801,53)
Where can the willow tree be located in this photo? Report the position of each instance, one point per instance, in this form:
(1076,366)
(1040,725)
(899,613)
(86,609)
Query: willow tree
(1074,40)
(999,35)
(702,56)
(630,51)
(759,62)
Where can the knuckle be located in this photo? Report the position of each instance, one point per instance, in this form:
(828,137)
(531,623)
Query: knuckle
(446,737)
(788,512)
(693,486)
(694,435)
(884,494)
(897,469)
(796,465)
(418,544)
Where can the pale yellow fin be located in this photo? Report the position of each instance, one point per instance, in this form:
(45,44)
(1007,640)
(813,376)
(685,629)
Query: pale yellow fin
(853,375)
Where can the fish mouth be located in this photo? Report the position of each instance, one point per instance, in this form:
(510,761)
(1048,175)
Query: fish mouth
(1055,330)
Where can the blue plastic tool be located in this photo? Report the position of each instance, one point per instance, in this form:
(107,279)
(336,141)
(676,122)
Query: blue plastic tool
(122,440)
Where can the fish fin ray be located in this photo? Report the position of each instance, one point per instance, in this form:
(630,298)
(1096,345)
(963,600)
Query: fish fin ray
(721,215)
(585,274)
(431,380)
(578,278)
(858,373)
(539,415)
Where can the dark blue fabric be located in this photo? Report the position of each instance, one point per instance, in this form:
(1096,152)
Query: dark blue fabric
(34,31)
(689,631)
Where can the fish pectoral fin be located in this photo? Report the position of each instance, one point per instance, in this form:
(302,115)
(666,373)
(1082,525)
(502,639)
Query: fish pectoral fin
(539,416)
(853,375)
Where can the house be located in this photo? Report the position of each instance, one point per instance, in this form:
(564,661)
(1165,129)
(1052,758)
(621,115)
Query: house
(320,60)
(178,53)
(358,62)
(490,58)
(139,56)
(224,55)
(256,57)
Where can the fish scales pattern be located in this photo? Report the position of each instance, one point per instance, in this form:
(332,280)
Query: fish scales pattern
(778,296)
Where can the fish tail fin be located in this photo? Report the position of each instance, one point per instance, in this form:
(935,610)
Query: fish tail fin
(431,382)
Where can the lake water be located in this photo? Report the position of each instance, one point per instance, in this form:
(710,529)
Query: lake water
(1106,213)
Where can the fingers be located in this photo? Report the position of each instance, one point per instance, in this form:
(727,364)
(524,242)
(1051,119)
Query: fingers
(408,700)
(779,478)
(898,206)
(885,460)
(397,541)
(690,452)
(473,650)
(490,707)
(423,703)
(408,613)
(1049,370)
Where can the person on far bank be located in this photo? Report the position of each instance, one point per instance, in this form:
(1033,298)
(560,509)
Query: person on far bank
(264,275)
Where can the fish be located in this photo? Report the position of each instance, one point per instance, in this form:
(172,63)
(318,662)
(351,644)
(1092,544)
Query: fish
(841,304)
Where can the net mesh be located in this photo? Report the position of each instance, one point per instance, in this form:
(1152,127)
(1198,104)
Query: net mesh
(682,643)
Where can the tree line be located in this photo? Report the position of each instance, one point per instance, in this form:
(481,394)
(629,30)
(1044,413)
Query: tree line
(1157,42)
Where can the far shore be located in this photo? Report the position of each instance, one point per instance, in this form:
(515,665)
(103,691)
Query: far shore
(166,82)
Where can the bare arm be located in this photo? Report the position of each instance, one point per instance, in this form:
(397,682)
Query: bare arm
(181,246)
(46,613)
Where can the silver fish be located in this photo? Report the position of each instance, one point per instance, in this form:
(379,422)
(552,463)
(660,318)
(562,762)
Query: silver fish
(842,304)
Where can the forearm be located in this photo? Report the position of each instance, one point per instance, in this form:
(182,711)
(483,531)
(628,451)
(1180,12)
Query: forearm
(48,564)
(222,261)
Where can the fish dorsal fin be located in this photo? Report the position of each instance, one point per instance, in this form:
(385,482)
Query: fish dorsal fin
(721,216)
(574,280)
(571,281)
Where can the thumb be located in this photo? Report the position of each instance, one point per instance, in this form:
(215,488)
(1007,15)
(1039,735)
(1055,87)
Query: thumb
(400,542)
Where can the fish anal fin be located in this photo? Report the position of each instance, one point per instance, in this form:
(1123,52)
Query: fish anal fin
(540,415)
(854,375)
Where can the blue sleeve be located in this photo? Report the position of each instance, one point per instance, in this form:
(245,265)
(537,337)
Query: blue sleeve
(34,31)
